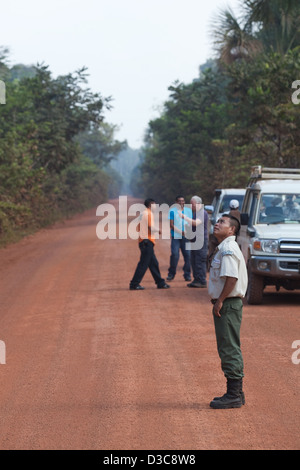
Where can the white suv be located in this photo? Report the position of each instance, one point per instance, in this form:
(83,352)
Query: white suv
(220,204)
(270,230)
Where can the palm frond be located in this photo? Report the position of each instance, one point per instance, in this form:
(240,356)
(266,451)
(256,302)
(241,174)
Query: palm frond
(232,39)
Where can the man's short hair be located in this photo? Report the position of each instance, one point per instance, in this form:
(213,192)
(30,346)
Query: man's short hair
(234,222)
(148,202)
(197,199)
(180,196)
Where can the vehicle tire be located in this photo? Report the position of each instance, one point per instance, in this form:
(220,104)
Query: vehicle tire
(255,289)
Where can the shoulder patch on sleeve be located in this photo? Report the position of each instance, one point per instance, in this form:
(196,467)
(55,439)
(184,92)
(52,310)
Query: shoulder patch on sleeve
(227,253)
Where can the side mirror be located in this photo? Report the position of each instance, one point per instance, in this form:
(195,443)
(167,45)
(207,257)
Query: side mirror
(244,219)
(209,209)
(251,232)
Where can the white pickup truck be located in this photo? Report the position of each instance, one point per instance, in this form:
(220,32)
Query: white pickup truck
(270,230)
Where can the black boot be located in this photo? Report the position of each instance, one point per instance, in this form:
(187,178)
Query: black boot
(231,399)
(241,391)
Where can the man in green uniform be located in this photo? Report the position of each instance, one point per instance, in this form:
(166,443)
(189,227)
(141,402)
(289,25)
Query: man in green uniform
(227,286)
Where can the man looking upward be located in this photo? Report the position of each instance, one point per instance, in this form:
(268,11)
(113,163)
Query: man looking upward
(227,286)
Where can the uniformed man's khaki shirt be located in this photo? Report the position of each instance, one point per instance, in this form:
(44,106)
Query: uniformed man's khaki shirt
(228,261)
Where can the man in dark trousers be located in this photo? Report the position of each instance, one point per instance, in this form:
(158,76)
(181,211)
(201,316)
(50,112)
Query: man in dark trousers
(178,240)
(227,287)
(198,254)
(146,245)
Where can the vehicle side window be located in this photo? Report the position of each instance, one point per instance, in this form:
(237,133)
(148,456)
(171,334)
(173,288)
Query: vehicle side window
(253,207)
(224,206)
(216,207)
(248,202)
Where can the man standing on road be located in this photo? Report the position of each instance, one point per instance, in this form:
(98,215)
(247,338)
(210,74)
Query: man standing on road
(212,241)
(178,240)
(198,255)
(146,245)
(227,286)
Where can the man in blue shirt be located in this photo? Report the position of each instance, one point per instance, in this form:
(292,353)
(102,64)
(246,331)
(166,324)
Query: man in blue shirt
(178,239)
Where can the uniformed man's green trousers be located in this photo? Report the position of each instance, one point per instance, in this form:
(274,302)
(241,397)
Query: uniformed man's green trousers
(227,328)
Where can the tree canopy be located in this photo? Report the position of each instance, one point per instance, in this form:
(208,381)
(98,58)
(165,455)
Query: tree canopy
(237,113)
(45,170)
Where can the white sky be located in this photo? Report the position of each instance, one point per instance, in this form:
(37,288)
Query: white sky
(134,49)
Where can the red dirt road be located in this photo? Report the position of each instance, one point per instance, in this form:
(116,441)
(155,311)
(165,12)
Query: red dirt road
(92,365)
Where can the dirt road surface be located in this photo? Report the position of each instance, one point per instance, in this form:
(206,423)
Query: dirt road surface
(92,365)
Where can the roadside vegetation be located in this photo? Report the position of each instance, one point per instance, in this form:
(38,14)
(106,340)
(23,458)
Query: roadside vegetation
(59,156)
(54,146)
(236,114)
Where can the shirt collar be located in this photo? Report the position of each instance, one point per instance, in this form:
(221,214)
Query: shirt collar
(231,238)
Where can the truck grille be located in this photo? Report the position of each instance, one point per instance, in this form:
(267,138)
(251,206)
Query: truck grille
(290,247)
(293,266)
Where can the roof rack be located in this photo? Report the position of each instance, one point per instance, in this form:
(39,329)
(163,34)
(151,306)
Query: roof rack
(260,173)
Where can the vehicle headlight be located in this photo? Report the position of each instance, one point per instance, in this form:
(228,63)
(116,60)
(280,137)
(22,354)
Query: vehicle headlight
(267,246)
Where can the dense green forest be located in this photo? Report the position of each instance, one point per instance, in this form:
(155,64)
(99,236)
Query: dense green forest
(54,147)
(237,113)
(59,156)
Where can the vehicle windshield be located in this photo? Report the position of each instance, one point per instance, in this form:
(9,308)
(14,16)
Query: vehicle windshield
(224,206)
(279,208)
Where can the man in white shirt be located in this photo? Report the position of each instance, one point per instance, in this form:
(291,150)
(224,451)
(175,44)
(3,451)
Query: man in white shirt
(227,286)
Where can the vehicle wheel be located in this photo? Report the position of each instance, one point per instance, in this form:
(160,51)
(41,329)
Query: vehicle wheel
(255,289)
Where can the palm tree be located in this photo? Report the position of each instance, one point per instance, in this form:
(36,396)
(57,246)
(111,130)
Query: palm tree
(277,23)
(264,25)
(233,39)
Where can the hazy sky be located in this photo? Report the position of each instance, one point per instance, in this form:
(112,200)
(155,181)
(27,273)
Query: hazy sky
(134,49)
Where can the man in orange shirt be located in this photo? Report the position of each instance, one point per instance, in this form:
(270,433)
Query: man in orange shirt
(146,245)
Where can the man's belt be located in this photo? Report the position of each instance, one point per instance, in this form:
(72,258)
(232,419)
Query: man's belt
(213,301)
